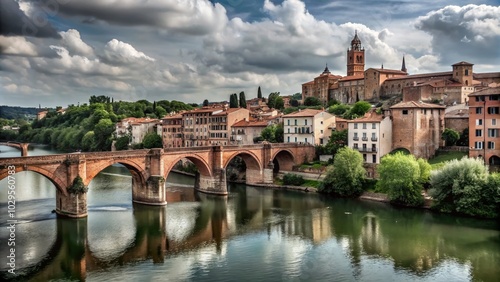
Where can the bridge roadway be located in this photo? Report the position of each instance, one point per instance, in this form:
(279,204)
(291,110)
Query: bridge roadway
(150,168)
(21,146)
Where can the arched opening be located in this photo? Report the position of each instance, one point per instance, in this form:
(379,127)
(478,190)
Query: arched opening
(283,161)
(236,170)
(402,150)
(494,160)
(183,172)
(243,167)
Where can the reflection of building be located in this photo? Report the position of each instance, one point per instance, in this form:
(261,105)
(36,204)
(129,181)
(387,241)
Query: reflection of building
(371,135)
(484,125)
(308,126)
(417,127)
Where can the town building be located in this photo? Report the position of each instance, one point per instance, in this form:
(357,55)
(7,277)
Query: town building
(170,130)
(371,135)
(320,86)
(417,128)
(141,127)
(308,126)
(244,131)
(484,125)
(196,126)
(457,118)
(222,122)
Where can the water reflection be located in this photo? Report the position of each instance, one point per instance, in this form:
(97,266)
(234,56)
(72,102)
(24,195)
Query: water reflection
(259,234)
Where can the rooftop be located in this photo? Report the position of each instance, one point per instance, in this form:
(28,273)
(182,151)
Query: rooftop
(413,104)
(304,113)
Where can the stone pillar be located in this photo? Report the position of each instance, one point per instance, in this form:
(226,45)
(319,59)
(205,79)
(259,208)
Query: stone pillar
(24,149)
(72,205)
(153,194)
(212,185)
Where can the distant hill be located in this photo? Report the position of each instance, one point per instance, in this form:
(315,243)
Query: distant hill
(9,112)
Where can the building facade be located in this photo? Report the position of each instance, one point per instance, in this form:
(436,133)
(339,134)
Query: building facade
(484,125)
(308,126)
(170,129)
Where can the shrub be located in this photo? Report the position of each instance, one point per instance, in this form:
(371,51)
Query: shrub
(293,179)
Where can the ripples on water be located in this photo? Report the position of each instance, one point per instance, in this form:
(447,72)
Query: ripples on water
(251,235)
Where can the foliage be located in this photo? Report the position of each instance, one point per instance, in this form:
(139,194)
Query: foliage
(296,96)
(312,101)
(188,167)
(77,187)
(12,113)
(271,100)
(450,136)
(205,103)
(152,140)
(273,133)
(259,93)
(359,109)
(102,137)
(333,102)
(441,157)
(279,103)
(293,179)
(257,139)
(99,99)
(345,178)
(160,112)
(294,103)
(243,100)
(339,109)
(465,186)
(401,179)
(122,143)
(338,140)
(464,138)
(233,101)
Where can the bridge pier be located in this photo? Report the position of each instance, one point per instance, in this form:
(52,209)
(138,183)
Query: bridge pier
(256,176)
(24,149)
(212,185)
(154,193)
(71,205)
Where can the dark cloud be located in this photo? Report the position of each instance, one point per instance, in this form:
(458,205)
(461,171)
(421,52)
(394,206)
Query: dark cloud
(13,21)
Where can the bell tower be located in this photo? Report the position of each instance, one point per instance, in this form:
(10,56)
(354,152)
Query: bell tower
(356,57)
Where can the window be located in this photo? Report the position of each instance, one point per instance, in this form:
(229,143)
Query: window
(491,145)
(288,139)
(374,125)
(494,121)
(321,141)
(364,125)
(295,122)
(305,122)
(479,98)
(493,133)
(288,122)
(374,159)
(321,131)
(355,126)
(466,72)
(355,145)
(494,97)
(479,110)
(405,112)
(493,110)
(306,140)
(295,129)
(479,122)
(479,133)
(364,158)
(374,137)
(478,145)
(295,139)
(289,130)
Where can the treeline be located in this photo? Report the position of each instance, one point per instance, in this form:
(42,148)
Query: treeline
(8,112)
(89,127)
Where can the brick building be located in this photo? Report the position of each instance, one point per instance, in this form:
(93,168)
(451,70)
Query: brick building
(417,127)
(484,125)
(170,129)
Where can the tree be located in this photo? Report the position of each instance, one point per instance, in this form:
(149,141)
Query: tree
(99,99)
(450,136)
(279,134)
(271,100)
(233,101)
(359,109)
(339,109)
(294,103)
(400,177)
(102,138)
(279,103)
(88,141)
(272,133)
(160,111)
(338,140)
(312,101)
(152,140)
(122,143)
(465,186)
(243,100)
(464,138)
(205,103)
(346,177)
(259,93)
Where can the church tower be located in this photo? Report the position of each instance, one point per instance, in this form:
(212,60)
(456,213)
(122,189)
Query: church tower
(356,57)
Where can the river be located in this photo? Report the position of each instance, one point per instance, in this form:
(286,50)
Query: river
(253,234)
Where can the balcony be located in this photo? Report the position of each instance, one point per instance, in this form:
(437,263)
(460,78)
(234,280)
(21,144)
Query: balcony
(374,149)
(374,138)
(364,138)
(355,138)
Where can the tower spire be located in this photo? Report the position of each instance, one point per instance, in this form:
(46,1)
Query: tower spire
(403,65)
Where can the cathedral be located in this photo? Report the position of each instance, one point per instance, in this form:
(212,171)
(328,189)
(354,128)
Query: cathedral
(375,84)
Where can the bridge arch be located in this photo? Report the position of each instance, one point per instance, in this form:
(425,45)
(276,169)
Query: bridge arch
(58,182)
(283,160)
(138,173)
(199,162)
(251,160)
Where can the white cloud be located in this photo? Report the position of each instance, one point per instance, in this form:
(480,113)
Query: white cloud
(73,42)
(16,45)
(119,52)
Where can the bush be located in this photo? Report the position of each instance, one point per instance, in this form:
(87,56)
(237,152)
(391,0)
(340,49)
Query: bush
(345,178)
(465,186)
(293,179)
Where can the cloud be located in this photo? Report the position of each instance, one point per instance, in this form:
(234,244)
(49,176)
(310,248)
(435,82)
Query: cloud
(191,17)
(13,21)
(118,52)
(73,42)
(470,31)
(16,45)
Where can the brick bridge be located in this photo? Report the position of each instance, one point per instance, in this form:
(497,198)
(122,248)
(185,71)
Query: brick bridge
(150,168)
(21,146)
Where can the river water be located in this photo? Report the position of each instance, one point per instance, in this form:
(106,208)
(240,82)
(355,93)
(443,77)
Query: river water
(253,234)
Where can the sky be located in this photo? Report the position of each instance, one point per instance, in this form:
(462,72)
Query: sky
(60,52)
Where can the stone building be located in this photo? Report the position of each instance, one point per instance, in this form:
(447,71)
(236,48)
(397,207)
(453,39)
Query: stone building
(457,118)
(320,86)
(222,122)
(417,128)
(170,129)
(484,125)
(371,135)
(308,126)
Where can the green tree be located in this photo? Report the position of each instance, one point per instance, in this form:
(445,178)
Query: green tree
(346,177)
(294,103)
(400,177)
(338,140)
(268,133)
(259,93)
(243,100)
(279,103)
(88,141)
(271,100)
(122,143)
(233,101)
(160,111)
(279,134)
(464,138)
(359,109)
(152,140)
(102,138)
(205,103)
(99,99)
(312,101)
(339,110)
(465,186)
(450,136)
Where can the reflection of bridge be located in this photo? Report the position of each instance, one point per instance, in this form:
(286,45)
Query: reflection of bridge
(150,168)
(21,146)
